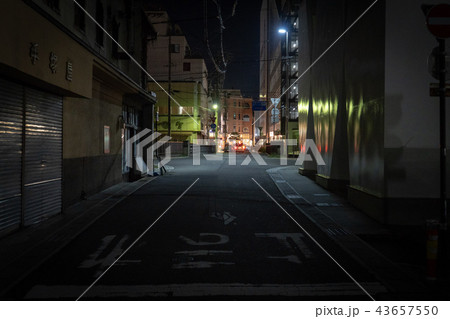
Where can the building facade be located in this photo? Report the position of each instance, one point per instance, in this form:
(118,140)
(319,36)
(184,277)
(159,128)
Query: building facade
(174,69)
(69,97)
(288,29)
(270,68)
(366,104)
(236,116)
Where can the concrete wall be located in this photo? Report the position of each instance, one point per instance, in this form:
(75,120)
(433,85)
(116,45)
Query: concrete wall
(411,116)
(378,71)
(86,168)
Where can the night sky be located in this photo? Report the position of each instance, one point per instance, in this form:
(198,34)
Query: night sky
(241,37)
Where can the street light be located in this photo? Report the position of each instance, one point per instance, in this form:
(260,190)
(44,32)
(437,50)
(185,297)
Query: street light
(215,106)
(285,125)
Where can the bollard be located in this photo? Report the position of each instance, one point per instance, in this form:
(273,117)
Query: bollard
(432,248)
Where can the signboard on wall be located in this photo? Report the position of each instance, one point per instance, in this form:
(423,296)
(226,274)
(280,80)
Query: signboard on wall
(106,139)
(259,105)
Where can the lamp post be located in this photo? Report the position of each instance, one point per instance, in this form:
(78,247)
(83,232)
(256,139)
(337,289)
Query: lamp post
(285,114)
(215,108)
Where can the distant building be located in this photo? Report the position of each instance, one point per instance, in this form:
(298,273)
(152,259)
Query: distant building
(270,68)
(69,99)
(190,106)
(236,116)
(288,32)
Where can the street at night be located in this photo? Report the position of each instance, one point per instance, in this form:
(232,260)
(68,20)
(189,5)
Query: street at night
(210,151)
(211,231)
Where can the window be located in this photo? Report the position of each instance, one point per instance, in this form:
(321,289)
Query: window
(186,66)
(234,128)
(239,129)
(239,116)
(175,48)
(79,17)
(53,4)
(187,51)
(234,116)
(115,34)
(245,130)
(246,118)
(234,103)
(99,16)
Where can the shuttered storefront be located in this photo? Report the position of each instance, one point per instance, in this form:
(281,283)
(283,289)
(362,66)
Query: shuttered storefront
(11,127)
(43,155)
(31,163)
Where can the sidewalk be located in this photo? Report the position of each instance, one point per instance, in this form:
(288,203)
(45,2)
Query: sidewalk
(396,255)
(25,250)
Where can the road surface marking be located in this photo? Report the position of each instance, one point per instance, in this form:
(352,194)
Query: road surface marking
(95,260)
(315,241)
(204,289)
(284,240)
(226,217)
(136,240)
(186,259)
(203,252)
(221,239)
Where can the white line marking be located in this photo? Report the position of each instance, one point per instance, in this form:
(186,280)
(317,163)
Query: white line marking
(137,239)
(443,21)
(203,252)
(203,289)
(315,241)
(221,239)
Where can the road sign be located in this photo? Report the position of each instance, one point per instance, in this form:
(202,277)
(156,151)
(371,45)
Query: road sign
(275,101)
(259,105)
(275,115)
(213,126)
(434,89)
(432,64)
(438,21)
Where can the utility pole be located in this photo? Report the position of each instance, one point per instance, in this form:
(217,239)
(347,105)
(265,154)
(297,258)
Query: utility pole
(169,110)
(443,158)
(267,73)
(437,23)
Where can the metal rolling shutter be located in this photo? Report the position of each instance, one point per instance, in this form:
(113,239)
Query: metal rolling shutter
(11,125)
(43,155)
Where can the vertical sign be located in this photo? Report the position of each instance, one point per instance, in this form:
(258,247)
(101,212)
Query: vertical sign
(106,139)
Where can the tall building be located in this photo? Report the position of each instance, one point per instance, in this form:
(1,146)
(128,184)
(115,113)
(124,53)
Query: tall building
(288,29)
(181,73)
(366,104)
(270,68)
(236,116)
(69,99)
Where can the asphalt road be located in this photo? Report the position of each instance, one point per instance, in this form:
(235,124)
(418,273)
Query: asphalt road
(199,233)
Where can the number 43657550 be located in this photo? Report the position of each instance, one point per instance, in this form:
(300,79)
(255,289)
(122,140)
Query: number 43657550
(407,310)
